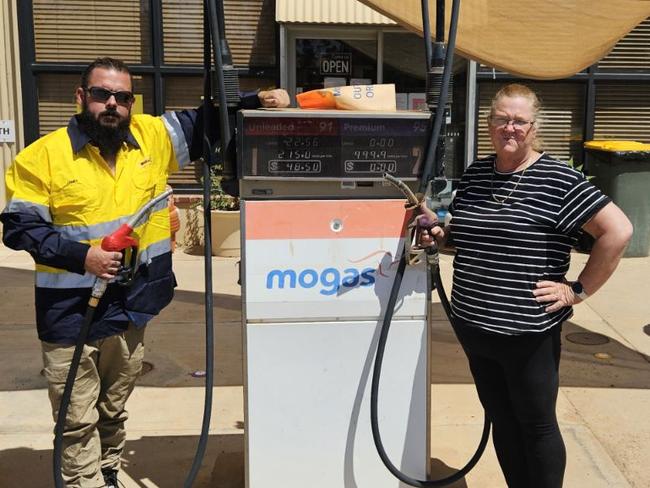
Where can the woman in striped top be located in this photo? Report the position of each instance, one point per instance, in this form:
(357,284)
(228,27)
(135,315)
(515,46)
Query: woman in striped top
(516,217)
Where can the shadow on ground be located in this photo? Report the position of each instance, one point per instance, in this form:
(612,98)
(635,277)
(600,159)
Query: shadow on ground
(175,350)
(175,346)
(161,462)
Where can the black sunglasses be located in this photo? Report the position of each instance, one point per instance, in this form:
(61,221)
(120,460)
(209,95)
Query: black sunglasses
(102,95)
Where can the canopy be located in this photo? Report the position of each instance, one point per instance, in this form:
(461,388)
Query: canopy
(541,39)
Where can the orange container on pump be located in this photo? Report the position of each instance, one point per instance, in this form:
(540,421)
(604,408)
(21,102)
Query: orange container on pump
(321,99)
(352,97)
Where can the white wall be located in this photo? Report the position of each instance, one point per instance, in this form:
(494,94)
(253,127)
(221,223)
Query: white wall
(10,90)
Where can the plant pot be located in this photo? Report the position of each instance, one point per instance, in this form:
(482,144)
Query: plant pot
(225,234)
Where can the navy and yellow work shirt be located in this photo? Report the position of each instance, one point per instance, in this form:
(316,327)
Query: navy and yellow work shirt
(63,198)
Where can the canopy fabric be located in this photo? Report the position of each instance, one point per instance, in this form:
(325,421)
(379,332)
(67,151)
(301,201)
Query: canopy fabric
(542,39)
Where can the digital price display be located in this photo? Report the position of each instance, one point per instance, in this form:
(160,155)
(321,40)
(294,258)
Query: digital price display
(289,166)
(323,145)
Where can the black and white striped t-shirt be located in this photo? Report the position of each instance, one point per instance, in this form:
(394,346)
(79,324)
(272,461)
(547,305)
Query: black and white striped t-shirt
(512,230)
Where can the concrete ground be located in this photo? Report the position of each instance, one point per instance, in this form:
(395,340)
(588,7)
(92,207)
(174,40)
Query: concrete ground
(603,405)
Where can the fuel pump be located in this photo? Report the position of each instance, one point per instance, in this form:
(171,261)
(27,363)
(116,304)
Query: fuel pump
(322,233)
(118,241)
(322,240)
(323,271)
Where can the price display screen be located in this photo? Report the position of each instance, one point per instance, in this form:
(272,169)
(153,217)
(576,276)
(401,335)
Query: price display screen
(325,147)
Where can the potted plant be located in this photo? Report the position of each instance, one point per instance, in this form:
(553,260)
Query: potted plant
(224,219)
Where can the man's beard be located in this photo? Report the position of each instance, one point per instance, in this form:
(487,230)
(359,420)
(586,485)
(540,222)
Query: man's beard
(109,139)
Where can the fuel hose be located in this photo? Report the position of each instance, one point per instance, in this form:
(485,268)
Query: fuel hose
(117,241)
(214,42)
(433,278)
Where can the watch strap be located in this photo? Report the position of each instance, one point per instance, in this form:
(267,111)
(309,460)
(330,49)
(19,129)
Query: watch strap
(579,290)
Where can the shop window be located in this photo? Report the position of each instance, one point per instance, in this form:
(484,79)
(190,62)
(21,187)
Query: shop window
(184,92)
(250,30)
(622,111)
(632,52)
(405,66)
(328,62)
(82,31)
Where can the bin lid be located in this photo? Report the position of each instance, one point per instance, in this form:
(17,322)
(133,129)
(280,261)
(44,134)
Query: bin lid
(617,146)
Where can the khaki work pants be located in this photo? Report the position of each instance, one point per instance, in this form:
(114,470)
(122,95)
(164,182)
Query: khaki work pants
(94,434)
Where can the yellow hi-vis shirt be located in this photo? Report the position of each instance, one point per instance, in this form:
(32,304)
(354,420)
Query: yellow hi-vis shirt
(61,182)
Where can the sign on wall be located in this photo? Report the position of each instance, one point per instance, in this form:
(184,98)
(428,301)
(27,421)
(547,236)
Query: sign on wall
(7,131)
(336,64)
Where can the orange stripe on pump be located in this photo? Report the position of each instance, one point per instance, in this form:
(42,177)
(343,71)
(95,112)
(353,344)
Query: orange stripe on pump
(319,219)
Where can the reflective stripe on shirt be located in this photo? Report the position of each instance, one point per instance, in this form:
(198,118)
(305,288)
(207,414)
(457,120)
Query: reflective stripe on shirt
(65,279)
(88,233)
(177,137)
(18,205)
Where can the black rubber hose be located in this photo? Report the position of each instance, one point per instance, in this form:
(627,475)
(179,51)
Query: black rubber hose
(217,47)
(442,98)
(209,19)
(374,391)
(390,307)
(426,33)
(440,26)
(67,394)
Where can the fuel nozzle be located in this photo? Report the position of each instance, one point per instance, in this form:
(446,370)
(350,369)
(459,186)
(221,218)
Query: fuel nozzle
(419,222)
(121,241)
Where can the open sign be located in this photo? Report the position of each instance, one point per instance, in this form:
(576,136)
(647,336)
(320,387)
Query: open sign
(336,64)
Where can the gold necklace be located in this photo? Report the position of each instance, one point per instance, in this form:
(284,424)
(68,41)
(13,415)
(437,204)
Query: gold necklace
(501,200)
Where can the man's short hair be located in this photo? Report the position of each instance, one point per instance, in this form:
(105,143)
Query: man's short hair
(106,63)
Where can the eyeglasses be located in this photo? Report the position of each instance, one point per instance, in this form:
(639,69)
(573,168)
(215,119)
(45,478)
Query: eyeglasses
(500,122)
(103,95)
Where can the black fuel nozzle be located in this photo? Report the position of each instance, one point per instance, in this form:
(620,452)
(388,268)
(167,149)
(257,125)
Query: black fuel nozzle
(128,267)
(122,240)
(424,222)
(420,221)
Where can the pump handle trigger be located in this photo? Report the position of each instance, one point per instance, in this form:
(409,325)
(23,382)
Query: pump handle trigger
(120,239)
(418,222)
(424,222)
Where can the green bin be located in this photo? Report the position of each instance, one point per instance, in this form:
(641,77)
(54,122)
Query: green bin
(621,170)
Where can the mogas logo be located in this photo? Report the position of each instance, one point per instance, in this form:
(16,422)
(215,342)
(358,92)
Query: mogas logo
(329,279)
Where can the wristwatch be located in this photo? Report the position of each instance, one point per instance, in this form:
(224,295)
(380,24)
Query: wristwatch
(579,290)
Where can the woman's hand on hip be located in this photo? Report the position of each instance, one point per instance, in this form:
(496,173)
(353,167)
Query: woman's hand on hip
(557,295)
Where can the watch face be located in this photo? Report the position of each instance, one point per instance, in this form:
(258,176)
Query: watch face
(576,286)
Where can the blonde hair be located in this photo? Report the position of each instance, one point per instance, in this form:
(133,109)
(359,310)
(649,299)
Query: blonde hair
(518,90)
